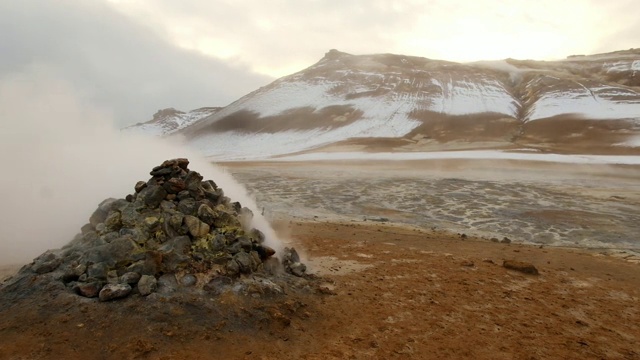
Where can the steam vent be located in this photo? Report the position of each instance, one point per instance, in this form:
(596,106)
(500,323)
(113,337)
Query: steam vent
(176,234)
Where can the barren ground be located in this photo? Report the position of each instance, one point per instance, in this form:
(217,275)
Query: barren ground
(400,290)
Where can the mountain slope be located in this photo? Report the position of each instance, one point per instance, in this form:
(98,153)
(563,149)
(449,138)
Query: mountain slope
(168,121)
(391,102)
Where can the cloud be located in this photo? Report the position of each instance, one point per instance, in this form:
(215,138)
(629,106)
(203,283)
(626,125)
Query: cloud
(114,61)
(62,156)
(282,36)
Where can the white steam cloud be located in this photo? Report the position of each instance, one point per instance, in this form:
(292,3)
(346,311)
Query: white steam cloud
(60,158)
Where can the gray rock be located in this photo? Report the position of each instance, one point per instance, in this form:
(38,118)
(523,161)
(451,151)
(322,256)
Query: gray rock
(79,269)
(193,181)
(232,268)
(167,205)
(297,269)
(244,261)
(179,245)
(130,278)
(206,214)
(147,285)
(187,206)
(154,195)
(110,236)
(112,277)
(98,271)
(188,280)
(175,222)
(113,222)
(97,217)
(86,228)
(129,216)
(114,291)
(167,283)
(196,227)
(183,195)
(46,265)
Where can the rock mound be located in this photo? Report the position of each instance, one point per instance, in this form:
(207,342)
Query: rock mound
(176,232)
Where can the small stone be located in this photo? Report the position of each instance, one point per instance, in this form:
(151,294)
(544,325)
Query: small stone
(113,222)
(232,268)
(89,290)
(188,280)
(140,185)
(114,291)
(297,269)
(244,262)
(154,196)
(495,239)
(112,277)
(187,206)
(147,284)
(520,266)
(43,267)
(98,271)
(130,278)
(182,163)
(167,283)
(196,227)
(506,240)
(174,185)
(80,269)
(467,263)
(206,214)
(151,222)
(183,195)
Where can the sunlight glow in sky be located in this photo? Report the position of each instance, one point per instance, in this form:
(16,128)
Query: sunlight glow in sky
(277,38)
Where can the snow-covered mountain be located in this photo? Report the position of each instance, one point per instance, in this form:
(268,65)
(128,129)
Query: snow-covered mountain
(168,121)
(397,103)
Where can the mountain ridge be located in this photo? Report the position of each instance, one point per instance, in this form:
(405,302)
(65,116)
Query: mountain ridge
(582,103)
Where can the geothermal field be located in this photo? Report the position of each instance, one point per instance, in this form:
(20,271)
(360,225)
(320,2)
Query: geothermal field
(491,259)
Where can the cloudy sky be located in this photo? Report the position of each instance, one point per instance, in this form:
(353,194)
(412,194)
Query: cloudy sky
(133,57)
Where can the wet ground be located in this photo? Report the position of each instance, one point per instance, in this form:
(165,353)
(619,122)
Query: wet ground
(548,204)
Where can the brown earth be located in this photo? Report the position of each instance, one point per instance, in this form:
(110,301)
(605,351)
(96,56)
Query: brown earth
(398,292)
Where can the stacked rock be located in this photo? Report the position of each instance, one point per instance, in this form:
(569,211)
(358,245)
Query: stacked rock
(175,223)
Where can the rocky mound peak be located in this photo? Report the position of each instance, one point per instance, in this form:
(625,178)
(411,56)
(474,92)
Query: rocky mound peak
(176,232)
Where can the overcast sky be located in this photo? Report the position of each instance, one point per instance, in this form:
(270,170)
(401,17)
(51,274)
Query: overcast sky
(133,57)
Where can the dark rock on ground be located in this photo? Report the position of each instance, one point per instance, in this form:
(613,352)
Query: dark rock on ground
(520,266)
(114,291)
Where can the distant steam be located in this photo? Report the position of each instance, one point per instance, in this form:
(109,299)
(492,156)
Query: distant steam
(60,158)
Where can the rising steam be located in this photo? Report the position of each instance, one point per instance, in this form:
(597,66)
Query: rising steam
(60,158)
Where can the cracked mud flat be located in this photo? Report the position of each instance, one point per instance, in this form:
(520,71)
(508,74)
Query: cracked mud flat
(550,204)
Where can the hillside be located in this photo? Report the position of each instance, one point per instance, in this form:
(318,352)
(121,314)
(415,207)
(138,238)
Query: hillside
(397,103)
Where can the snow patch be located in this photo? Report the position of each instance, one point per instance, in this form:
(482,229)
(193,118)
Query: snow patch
(468,155)
(590,102)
